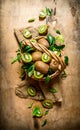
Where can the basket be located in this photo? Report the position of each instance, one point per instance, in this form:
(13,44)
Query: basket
(40,47)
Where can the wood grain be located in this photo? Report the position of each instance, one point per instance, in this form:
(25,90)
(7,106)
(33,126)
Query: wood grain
(15,114)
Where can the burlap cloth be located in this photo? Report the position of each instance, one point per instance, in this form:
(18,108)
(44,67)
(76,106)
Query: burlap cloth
(41,86)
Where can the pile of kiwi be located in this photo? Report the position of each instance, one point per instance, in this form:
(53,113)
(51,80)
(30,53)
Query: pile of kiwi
(40,64)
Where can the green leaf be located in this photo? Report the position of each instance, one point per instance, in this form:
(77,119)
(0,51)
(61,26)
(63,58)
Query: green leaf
(64,74)
(51,47)
(56,47)
(31,67)
(50,71)
(53,90)
(60,38)
(18,57)
(24,66)
(59,47)
(51,39)
(20,45)
(30,105)
(18,51)
(58,32)
(27,49)
(47,79)
(44,123)
(46,112)
(66,60)
(31,20)
(14,60)
(48,11)
(37,112)
(30,70)
(23,74)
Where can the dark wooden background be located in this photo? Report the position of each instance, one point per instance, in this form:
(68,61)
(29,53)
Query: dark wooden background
(14,112)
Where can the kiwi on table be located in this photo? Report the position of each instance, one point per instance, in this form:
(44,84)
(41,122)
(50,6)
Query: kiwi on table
(31,91)
(43,29)
(36,55)
(33,40)
(54,65)
(47,103)
(45,58)
(27,33)
(42,14)
(41,67)
(43,42)
(38,75)
(26,57)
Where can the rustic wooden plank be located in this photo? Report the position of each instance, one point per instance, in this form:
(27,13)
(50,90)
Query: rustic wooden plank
(14,110)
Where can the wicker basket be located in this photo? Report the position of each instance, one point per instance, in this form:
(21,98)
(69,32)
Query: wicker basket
(20,37)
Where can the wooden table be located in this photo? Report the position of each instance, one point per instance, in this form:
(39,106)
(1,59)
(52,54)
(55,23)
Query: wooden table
(15,114)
